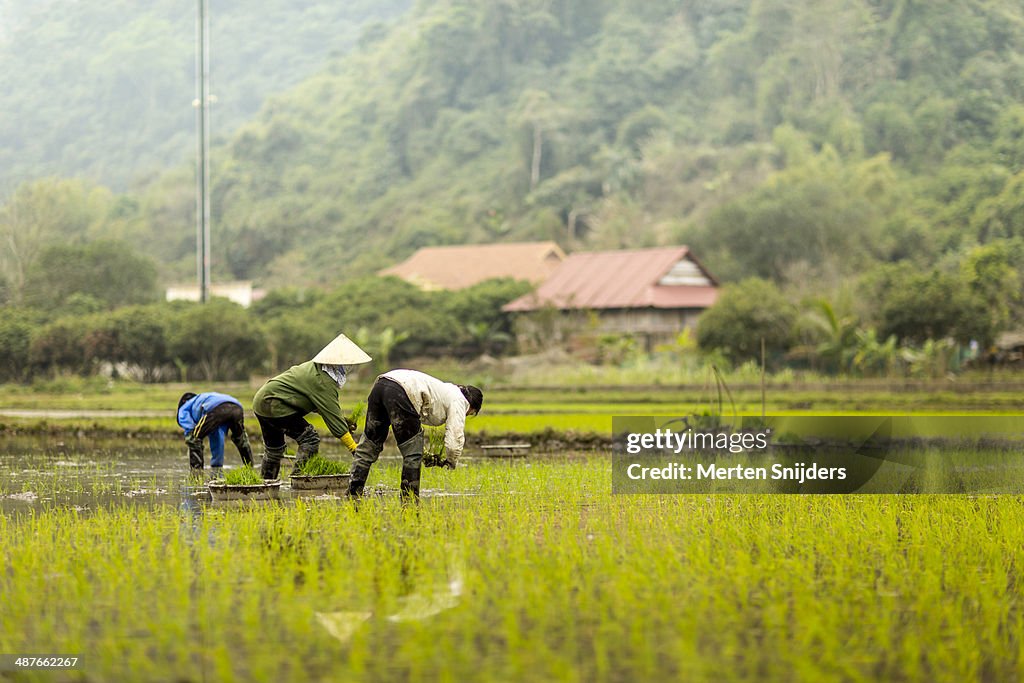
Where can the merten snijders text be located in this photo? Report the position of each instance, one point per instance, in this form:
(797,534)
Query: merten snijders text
(798,472)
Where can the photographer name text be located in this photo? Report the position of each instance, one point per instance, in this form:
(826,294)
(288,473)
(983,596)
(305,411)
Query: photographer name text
(799,472)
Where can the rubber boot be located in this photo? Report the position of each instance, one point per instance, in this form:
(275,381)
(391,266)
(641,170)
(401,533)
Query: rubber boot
(196,457)
(241,442)
(412,459)
(216,473)
(364,456)
(309,445)
(270,468)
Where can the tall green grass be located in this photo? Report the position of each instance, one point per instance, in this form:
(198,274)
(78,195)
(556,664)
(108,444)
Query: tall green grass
(558,580)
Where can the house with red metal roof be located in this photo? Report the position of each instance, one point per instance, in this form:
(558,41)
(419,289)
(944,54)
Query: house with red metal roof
(460,266)
(652,294)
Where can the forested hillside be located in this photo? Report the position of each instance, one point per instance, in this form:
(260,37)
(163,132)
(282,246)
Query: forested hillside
(792,140)
(104,89)
(801,142)
(864,159)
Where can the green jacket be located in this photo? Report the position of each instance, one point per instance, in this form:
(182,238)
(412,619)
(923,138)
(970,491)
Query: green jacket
(302,389)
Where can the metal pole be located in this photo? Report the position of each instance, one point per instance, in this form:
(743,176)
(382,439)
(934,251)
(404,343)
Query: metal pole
(202,105)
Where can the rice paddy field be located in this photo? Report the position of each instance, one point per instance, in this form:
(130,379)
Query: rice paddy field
(524,569)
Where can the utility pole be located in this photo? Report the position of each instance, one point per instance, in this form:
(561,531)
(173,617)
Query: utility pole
(202,107)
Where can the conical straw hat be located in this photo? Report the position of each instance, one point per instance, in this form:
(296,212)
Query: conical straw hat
(341,351)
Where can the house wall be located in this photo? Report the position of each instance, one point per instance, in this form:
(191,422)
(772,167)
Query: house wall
(548,328)
(241,293)
(648,321)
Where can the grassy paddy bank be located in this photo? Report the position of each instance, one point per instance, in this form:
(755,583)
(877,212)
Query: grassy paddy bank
(92,407)
(534,572)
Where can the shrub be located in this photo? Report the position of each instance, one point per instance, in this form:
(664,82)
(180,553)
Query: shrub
(218,340)
(744,314)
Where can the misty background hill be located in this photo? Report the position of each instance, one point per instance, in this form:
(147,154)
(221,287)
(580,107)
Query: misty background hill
(802,142)
(103,90)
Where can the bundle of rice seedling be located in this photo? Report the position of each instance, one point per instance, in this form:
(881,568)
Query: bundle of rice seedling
(358,411)
(433,448)
(318,466)
(243,476)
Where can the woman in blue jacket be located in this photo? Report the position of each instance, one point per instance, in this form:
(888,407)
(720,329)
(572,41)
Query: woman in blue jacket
(211,415)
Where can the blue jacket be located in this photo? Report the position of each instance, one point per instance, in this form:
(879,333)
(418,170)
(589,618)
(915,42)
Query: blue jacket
(192,411)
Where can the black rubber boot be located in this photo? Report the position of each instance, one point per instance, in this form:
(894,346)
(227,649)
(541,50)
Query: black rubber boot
(244,449)
(270,468)
(410,482)
(357,482)
(412,460)
(364,456)
(196,457)
(309,445)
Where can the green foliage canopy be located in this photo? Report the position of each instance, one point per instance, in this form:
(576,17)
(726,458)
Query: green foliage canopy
(745,313)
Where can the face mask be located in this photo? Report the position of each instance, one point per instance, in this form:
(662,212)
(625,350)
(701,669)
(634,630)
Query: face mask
(337,373)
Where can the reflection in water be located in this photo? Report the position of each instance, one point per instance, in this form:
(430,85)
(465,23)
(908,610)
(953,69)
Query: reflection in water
(90,473)
(87,474)
(425,602)
(192,500)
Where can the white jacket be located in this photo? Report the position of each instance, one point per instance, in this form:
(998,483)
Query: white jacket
(438,403)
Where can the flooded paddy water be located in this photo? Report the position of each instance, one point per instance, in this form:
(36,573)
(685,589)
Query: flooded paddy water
(519,569)
(84,474)
(41,472)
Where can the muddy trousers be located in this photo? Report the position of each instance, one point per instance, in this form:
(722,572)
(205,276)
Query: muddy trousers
(389,407)
(366,454)
(274,430)
(229,415)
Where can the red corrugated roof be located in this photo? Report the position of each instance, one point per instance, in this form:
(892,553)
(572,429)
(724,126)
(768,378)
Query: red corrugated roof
(456,267)
(618,279)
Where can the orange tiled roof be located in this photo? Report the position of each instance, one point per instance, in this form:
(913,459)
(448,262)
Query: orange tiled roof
(457,267)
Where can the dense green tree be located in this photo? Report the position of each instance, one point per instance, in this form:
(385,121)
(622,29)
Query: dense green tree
(995,286)
(217,341)
(139,337)
(482,302)
(381,303)
(109,272)
(296,335)
(284,300)
(746,313)
(40,214)
(16,329)
(477,310)
(65,345)
(820,214)
(1009,142)
(917,306)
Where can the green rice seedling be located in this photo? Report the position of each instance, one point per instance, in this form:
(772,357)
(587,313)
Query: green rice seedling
(243,476)
(358,411)
(741,588)
(318,466)
(433,449)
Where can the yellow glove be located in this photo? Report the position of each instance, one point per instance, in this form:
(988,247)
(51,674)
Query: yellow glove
(349,442)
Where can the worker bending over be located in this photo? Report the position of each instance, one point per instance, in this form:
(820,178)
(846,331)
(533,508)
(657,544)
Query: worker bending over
(311,387)
(212,415)
(404,400)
